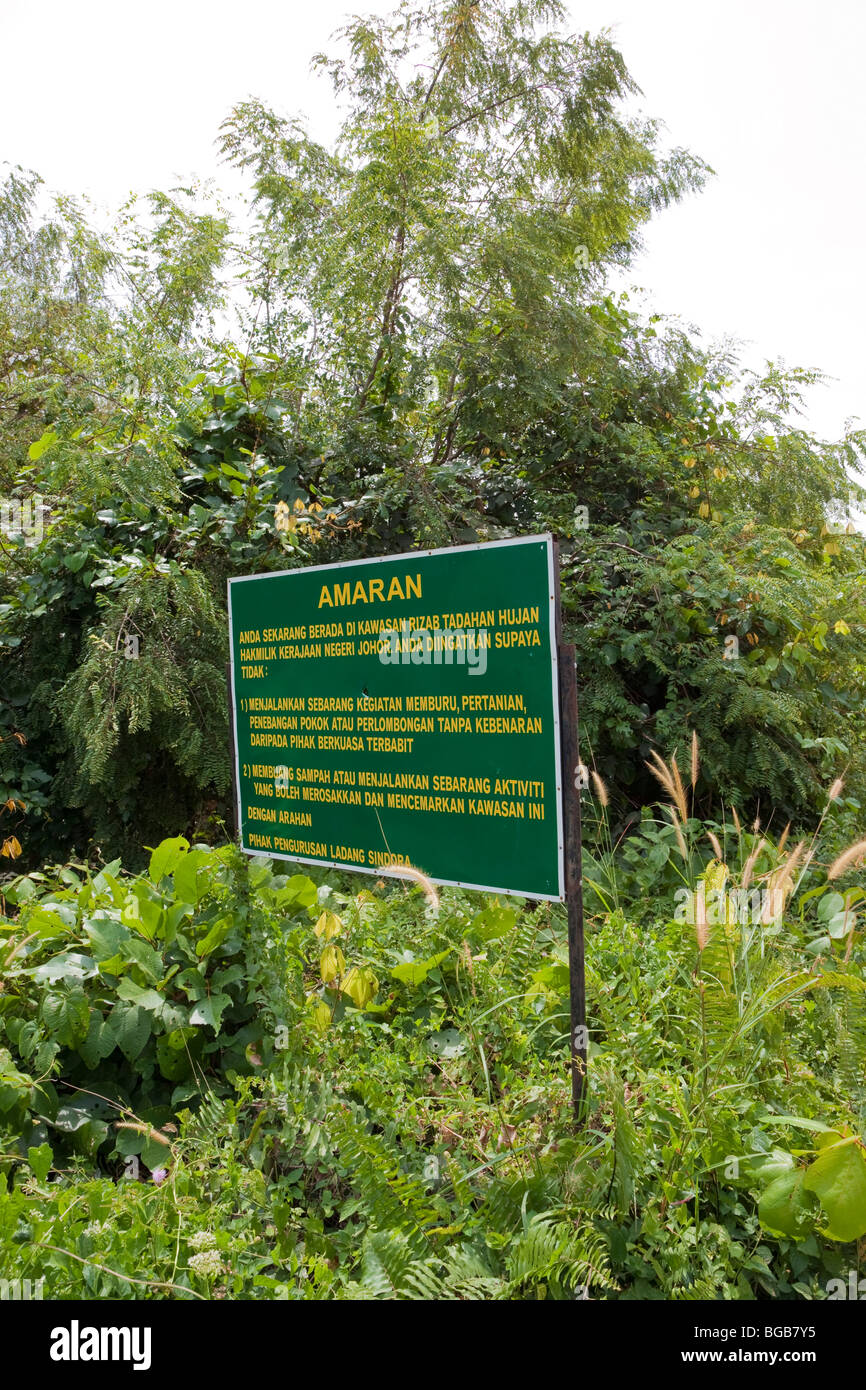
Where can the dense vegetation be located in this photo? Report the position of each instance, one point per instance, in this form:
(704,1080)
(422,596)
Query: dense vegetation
(221,1080)
(216,1076)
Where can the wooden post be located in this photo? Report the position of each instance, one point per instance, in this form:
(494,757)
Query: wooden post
(569,743)
(234,824)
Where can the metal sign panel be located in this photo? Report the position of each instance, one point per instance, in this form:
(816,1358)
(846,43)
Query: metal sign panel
(404,710)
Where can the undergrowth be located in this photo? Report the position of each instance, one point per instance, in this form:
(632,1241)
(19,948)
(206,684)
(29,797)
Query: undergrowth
(219,1080)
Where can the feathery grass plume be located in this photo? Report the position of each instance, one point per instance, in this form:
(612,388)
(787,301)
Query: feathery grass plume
(850,856)
(736,819)
(678,783)
(779,885)
(670,780)
(600,788)
(783,838)
(791,864)
(695,762)
(836,789)
(750,864)
(672,812)
(717,849)
(407,871)
(659,770)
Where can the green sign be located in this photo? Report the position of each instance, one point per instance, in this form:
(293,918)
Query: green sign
(404,711)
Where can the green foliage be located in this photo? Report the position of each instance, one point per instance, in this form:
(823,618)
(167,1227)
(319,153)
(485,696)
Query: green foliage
(193,1036)
(128,997)
(219,1080)
(429,355)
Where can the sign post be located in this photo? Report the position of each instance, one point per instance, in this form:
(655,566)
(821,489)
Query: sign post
(571,787)
(414,710)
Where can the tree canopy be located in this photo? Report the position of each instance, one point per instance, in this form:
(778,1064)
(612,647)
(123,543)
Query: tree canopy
(403,339)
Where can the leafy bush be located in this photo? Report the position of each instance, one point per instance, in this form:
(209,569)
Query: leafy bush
(220,1080)
(135,994)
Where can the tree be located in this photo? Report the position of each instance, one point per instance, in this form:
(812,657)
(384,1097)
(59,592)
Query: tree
(425,352)
(427,284)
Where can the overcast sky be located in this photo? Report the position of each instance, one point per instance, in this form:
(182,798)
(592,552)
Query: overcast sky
(103,98)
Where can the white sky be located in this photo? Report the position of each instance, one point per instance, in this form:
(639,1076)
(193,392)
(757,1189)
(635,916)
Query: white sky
(103,98)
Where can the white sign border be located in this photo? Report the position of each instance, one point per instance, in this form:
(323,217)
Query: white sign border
(546,539)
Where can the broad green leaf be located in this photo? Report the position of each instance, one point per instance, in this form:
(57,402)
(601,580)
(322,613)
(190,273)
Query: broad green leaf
(113,965)
(494,922)
(842,924)
(830,906)
(165,858)
(299,892)
(99,1043)
(785,1207)
(414,972)
(838,1179)
(67,1015)
(141,913)
(209,1011)
(131,1027)
(214,938)
(189,881)
(72,1117)
(41,445)
(139,953)
(447,1043)
(15,1086)
(40,1160)
(68,966)
(765,1168)
(173,1053)
(106,936)
(154,1154)
(804,1122)
(144,998)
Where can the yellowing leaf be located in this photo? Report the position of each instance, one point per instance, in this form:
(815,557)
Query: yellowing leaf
(841,627)
(321,1016)
(360,985)
(11,848)
(332,963)
(328,925)
(715,875)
